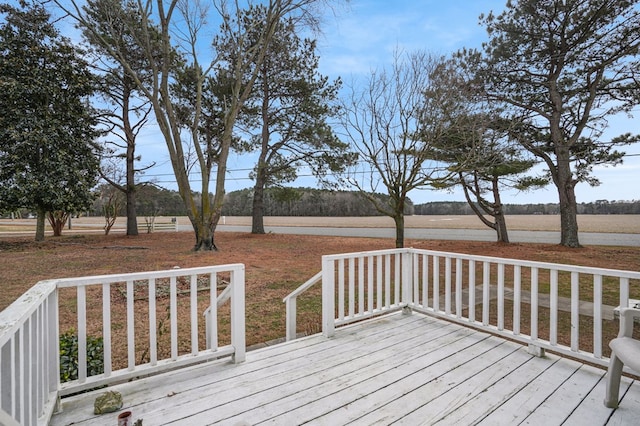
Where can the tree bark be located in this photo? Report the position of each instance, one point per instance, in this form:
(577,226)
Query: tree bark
(257,210)
(399,221)
(204,236)
(40,223)
(567,199)
(498,214)
(132,215)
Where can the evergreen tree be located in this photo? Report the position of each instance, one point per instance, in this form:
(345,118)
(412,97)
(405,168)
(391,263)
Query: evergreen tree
(47,156)
(288,113)
(564,66)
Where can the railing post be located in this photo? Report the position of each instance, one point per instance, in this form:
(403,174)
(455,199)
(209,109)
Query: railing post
(407,280)
(238,315)
(328,297)
(291,306)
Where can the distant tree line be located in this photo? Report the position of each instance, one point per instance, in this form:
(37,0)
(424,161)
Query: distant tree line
(157,201)
(305,202)
(597,207)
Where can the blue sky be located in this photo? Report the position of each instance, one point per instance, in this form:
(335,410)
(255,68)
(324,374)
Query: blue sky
(363,35)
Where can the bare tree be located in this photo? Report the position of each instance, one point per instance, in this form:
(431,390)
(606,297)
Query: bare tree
(169,33)
(391,125)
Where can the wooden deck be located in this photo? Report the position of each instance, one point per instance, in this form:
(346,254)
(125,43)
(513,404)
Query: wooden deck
(405,369)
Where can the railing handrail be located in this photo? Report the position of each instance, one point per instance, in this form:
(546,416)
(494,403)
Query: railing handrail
(14,315)
(29,335)
(534,264)
(433,282)
(291,304)
(507,261)
(304,287)
(136,276)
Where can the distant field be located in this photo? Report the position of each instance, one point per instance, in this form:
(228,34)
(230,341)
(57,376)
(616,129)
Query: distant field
(626,224)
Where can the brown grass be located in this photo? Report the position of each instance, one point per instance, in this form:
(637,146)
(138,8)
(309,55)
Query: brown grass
(275,266)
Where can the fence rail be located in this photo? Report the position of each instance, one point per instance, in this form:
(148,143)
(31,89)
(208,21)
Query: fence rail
(545,305)
(149,322)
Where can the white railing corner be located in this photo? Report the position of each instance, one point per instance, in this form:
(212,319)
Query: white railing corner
(291,303)
(328,297)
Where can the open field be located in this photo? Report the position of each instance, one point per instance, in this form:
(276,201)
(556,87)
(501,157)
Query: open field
(626,224)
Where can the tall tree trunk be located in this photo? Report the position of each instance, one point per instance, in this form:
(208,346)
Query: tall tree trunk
(257,210)
(568,217)
(567,200)
(40,223)
(132,215)
(399,221)
(257,213)
(498,214)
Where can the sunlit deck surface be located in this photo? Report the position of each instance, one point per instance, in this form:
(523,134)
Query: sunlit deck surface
(409,369)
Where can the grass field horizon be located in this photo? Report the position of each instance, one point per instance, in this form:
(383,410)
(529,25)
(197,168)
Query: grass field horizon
(626,224)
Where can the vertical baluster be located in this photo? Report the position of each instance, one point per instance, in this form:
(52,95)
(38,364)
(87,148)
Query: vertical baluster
(361,296)
(459,288)
(45,363)
(53,334)
(21,372)
(425,281)
(486,292)
(370,284)
(447,285)
(379,281)
(624,292)
(173,310)
(396,279)
(30,376)
(213,312)
(416,278)
(597,316)
(553,305)
(131,329)
(352,287)
(436,283)
(106,328)
(341,289)
(534,304)
(387,281)
(153,328)
(82,333)
(575,311)
(13,386)
(500,296)
(193,293)
(517,298)
(472,290)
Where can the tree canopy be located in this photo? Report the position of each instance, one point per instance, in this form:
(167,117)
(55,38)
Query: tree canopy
(48,158)
(287,116)
(170,36)
(563,67)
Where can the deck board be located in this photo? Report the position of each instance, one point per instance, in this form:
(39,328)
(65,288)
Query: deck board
(409,369)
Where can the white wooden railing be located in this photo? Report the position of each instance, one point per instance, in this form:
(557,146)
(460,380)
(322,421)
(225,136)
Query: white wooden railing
(522,300)
(291,303)
(29,332)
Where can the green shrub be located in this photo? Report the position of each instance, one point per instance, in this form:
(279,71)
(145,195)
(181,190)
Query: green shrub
(69,356)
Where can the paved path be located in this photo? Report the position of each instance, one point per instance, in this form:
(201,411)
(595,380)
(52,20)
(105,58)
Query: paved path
(548,237)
